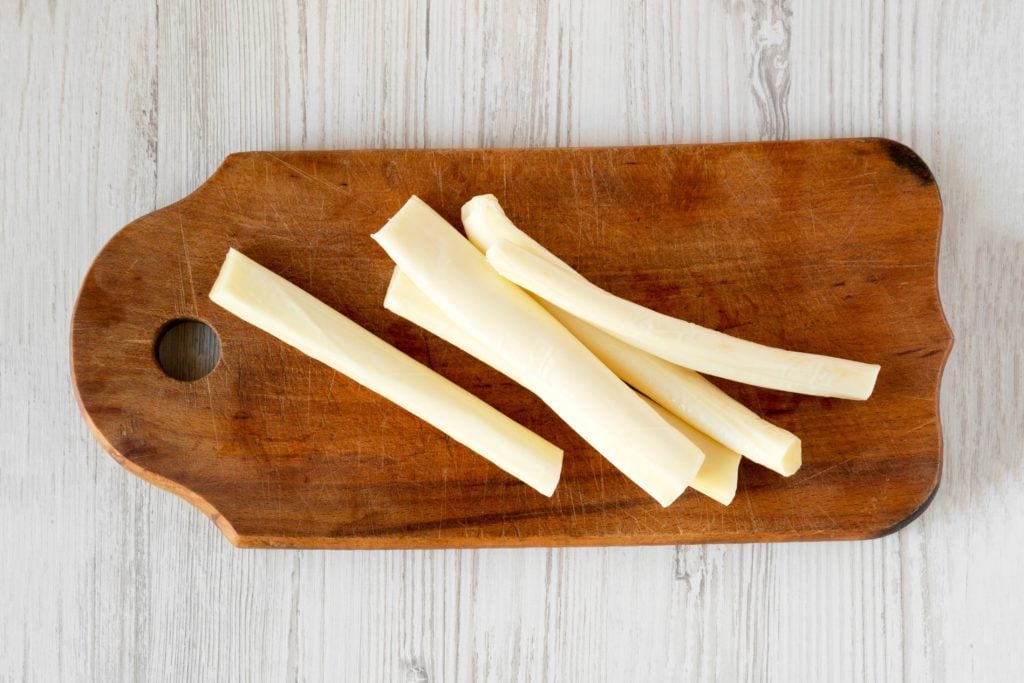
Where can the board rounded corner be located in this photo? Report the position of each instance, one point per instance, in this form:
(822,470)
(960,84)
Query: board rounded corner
(907,159)
(914,513)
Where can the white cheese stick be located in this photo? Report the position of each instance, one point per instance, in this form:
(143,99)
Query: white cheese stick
(690,397)
(547,358)
(681,342)
(717,475)
(682,391)
(678,341)
(276,306)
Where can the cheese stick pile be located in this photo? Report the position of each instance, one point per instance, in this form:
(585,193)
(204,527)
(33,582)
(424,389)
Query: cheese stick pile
(624,377)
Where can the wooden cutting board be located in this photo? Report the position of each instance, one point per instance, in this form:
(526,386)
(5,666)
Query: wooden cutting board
(822,246)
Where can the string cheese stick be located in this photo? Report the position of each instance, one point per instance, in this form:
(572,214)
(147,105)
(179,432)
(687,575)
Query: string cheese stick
(681,342)
(547,358)
(525,262)
(276,306)
(717,475)
(682,391)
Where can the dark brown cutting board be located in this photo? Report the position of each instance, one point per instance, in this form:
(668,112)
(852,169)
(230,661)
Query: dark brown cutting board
(823,246)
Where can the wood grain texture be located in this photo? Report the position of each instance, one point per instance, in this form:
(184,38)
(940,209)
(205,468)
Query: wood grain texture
(826,247)
(115,109)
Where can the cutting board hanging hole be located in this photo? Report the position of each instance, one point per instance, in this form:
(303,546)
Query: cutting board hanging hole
(187,349)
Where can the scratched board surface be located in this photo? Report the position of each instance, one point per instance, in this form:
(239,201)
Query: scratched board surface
(820,246)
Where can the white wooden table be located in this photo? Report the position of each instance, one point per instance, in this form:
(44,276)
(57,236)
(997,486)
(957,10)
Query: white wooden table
(113,109)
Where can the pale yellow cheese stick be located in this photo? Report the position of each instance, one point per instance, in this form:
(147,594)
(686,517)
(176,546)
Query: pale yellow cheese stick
(547,358)
(680,390)
(681,342)
(717,475)
(525,262)
(276,306)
